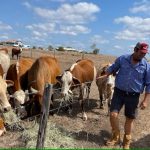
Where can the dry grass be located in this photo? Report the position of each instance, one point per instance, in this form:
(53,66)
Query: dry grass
(56,137)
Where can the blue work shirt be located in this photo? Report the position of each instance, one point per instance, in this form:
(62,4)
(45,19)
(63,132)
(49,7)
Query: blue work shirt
(129,77)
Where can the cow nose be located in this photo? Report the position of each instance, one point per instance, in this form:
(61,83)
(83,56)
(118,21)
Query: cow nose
(63,94)
(7,109)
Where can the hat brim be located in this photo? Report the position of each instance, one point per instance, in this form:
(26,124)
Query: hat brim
(144,51)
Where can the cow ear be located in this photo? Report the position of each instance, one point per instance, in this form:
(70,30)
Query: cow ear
(9,83)
(59,78)
(75,80)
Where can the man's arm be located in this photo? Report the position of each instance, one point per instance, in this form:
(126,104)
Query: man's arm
(144,104)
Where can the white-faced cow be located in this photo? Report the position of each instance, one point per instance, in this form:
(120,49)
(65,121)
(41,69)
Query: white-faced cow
(5,105)
(44,70)
(17,72)
(5,62)
(105,85)
(80,74)
(16,51)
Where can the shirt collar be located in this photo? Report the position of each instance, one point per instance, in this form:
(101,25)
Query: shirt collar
(128,58)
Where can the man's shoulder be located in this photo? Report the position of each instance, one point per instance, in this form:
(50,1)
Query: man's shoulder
(126,56)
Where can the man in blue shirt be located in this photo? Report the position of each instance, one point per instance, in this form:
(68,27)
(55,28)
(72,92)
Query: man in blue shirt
(132,78)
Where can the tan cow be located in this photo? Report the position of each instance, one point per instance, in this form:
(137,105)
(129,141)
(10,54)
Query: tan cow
(80,74)
(5,62)
(105,85)
(44,70)
(5,105)
(5,50)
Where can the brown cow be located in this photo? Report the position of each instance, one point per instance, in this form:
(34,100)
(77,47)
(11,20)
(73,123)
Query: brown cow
(44,70)
(16,51)
(81,74)
(17,73)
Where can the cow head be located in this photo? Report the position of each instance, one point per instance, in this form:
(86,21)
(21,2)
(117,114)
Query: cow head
(5,105)
(67,80)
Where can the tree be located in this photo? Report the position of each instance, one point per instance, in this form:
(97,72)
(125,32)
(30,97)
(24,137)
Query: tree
(95,50)
(50,48)
(60,48)
(34,47)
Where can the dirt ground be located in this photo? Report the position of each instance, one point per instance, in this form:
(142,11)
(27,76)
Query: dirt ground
(96,130)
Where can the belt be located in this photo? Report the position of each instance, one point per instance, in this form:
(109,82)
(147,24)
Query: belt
(126,93)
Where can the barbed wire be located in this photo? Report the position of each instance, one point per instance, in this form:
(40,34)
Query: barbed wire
(63,104)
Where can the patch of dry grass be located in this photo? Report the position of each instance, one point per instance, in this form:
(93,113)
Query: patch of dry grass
(56,137)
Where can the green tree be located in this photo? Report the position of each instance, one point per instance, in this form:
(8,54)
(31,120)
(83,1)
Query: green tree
(60,48)
(95,50)
(50,48)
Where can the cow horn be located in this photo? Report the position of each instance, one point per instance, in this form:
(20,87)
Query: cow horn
(33,90)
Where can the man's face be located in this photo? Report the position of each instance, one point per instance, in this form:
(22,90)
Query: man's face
(138,55)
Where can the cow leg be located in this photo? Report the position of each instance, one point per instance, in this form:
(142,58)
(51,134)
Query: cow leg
(89,87)
(101,102)
(51,108)
(101,97)
(81,101)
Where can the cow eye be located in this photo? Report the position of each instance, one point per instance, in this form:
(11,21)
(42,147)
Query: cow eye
(69,83)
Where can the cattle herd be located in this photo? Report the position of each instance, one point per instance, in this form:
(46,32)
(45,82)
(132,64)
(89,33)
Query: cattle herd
(22,83)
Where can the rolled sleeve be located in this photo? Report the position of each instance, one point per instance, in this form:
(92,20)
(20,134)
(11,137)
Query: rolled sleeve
(147,79)
(114,67)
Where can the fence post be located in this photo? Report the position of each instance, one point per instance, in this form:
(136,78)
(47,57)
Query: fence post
(31,52)
(44,116)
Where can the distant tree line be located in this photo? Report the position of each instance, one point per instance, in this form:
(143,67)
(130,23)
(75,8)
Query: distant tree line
(94,49)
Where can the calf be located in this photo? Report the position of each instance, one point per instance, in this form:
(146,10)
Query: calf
(16,51)
(105,85)
(80,74)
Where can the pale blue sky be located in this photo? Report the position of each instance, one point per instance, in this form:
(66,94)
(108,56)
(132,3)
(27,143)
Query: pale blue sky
(115,26)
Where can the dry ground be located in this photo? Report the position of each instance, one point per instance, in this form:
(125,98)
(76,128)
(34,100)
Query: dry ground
(93,132)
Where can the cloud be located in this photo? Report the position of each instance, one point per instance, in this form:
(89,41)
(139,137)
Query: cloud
(97,39)
(143,6)
(78,13)
(134,28)
(26,4)
(4,26)
(117,47)
(73,30)
(47,27)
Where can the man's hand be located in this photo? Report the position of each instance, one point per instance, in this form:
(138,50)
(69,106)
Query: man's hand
(143,104)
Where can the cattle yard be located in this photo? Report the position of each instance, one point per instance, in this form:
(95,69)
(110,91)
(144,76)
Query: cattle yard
(70,131)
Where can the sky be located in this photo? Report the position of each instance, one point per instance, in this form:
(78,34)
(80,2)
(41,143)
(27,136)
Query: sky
(114,26)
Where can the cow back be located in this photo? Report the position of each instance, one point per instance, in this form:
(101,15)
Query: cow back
(44,70)
(5,50)
(18,73)
(4,61)
(84,70)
